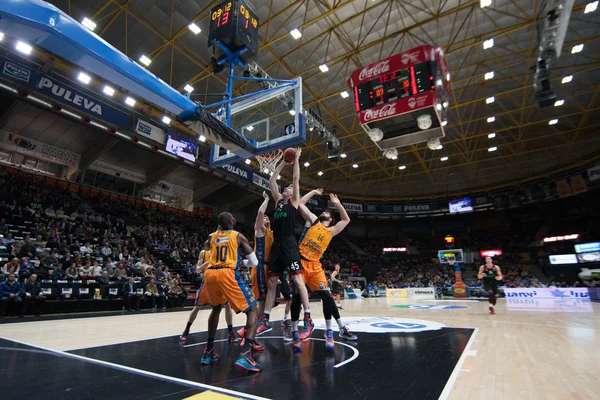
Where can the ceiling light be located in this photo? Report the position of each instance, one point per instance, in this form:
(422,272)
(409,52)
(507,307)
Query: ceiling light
(278,176)
(1,36)
(292,112)
(145,60)
(445,104)
(438,106)
(489,75)
(559,103)
(485,3)
(249,128)
(577,49)
(490,100)
(312,128)
(306,164)
(188,88)
(491,135)
(23,47)
(344,94)
(343,155)
(487,44)
(296,34)
(354,165)
(108,90)
(83,77)
(323,68)
(491,119)
(444,123)
(194,28)
(166,120)
(591,7)
(130,101)
(266,171)
(553,122)
(439,147)
(567,79)
(402,167)
(394,157)
(202,138)
(444,159)
(88,23)
(492,149)
(448,76)
(320,173)
(248,161)
(438,82)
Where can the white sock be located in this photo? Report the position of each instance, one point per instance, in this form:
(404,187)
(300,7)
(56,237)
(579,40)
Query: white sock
(340,324)
(328,324)
(307,310)
(286,317)
(294,326)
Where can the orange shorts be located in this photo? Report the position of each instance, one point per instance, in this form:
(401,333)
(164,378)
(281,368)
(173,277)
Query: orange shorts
(314,276)
(225,285)
(259,281)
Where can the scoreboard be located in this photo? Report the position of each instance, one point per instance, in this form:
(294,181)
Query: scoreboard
(395,85)
(235,25)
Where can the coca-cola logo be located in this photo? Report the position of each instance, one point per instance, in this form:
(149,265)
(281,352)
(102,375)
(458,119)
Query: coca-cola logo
(409,57)
(386,111)
(380,68)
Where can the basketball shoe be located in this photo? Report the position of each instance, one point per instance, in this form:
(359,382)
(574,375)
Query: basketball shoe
(209,357)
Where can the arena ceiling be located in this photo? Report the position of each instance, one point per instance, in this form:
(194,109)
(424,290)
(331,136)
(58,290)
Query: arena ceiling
(347,35)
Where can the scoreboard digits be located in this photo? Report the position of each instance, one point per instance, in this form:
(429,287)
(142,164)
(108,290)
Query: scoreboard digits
(235,25)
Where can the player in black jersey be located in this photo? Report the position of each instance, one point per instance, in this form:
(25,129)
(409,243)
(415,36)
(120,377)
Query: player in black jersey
(284,251)
(490,274)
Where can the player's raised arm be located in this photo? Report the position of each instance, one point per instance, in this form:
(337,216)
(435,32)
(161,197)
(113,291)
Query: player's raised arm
(499,276)
(296,177)
(310,195)
(247,250)
(308,216)
(344,218)
(273,182)
(259,224)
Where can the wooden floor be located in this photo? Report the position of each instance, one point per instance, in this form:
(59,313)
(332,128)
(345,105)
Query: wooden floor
(538,350)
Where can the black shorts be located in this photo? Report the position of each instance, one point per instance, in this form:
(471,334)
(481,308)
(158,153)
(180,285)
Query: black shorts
(285,255)
(336,288)
(492,285)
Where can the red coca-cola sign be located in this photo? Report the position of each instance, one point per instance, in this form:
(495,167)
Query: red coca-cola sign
(397,107)
(394,63)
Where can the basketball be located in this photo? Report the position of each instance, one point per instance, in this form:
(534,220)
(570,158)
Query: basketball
(289,155)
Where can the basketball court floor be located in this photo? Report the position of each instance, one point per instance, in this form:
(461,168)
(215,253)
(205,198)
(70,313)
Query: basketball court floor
(532,349)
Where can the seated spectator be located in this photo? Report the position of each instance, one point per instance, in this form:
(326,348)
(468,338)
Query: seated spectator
(177,293)
(73,272)
(10,294)
(59,273)
(163,289)
(32,291)
(153,294)
(129,292)
(96,269)
(106,251)
(86,272)
(13,267)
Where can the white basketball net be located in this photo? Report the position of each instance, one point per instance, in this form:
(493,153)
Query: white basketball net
(268,161)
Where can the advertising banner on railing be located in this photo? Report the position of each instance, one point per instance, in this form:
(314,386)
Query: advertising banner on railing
(350,207)
(36,149)
(548,293)
(54,87)
(115,170)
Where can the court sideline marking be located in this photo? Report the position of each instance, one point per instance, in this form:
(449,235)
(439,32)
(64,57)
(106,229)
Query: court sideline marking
(143,372)
(354,349)
(457,368)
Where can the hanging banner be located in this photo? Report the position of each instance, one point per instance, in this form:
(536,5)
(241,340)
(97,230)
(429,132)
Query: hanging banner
(241,172)
(150,131)
(262,182)
(594,173)
(55,88)
(33,148)
(350,207)
(110,169)
(170,189)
